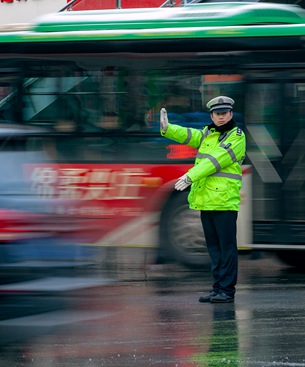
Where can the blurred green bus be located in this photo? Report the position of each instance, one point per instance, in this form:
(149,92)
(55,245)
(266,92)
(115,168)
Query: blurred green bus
(94,83)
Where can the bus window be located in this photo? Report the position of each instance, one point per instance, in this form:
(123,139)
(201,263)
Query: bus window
(9,111)
(89,97)
(274,115)
(101,105)
(293,161)
(262,117)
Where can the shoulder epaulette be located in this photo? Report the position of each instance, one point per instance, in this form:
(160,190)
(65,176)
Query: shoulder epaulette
(239,131)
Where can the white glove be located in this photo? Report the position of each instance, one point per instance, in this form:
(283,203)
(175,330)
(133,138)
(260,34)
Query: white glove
(163,120)
(183,182)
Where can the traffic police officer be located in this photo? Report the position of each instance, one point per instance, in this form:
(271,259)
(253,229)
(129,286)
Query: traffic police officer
(215,180)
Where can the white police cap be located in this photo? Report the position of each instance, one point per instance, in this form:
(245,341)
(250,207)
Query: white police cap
(220,104)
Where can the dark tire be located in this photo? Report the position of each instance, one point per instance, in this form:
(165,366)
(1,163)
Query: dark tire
(292,258)
(181,235)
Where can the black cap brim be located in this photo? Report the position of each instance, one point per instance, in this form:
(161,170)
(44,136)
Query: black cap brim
(221,110)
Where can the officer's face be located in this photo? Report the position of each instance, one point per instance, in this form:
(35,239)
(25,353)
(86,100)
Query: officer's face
(221,118)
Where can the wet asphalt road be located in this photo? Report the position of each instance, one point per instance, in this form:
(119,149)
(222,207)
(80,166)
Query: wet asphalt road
(145,315)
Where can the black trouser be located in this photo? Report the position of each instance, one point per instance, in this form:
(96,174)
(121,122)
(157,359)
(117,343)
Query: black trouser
(220,232)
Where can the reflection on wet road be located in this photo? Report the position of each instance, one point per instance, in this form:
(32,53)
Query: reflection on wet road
(152,317)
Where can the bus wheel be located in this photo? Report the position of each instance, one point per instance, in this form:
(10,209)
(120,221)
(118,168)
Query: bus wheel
(292,258)
(181,235)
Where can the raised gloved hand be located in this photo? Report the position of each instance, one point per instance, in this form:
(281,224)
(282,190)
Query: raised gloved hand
(163,120)
(183,182)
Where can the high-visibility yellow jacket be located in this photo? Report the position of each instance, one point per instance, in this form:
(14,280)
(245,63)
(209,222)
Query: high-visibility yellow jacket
(217,173)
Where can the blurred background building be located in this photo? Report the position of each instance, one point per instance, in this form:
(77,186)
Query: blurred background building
(24,11)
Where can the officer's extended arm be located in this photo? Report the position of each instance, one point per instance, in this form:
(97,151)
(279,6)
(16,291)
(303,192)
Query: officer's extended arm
(180,134)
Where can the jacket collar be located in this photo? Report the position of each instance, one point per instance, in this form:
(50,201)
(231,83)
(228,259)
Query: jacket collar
(221,129)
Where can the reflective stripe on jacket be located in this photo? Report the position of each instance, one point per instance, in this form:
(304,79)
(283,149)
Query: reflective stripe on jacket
(217,172)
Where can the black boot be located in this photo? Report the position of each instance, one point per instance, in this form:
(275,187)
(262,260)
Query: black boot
(207,298)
